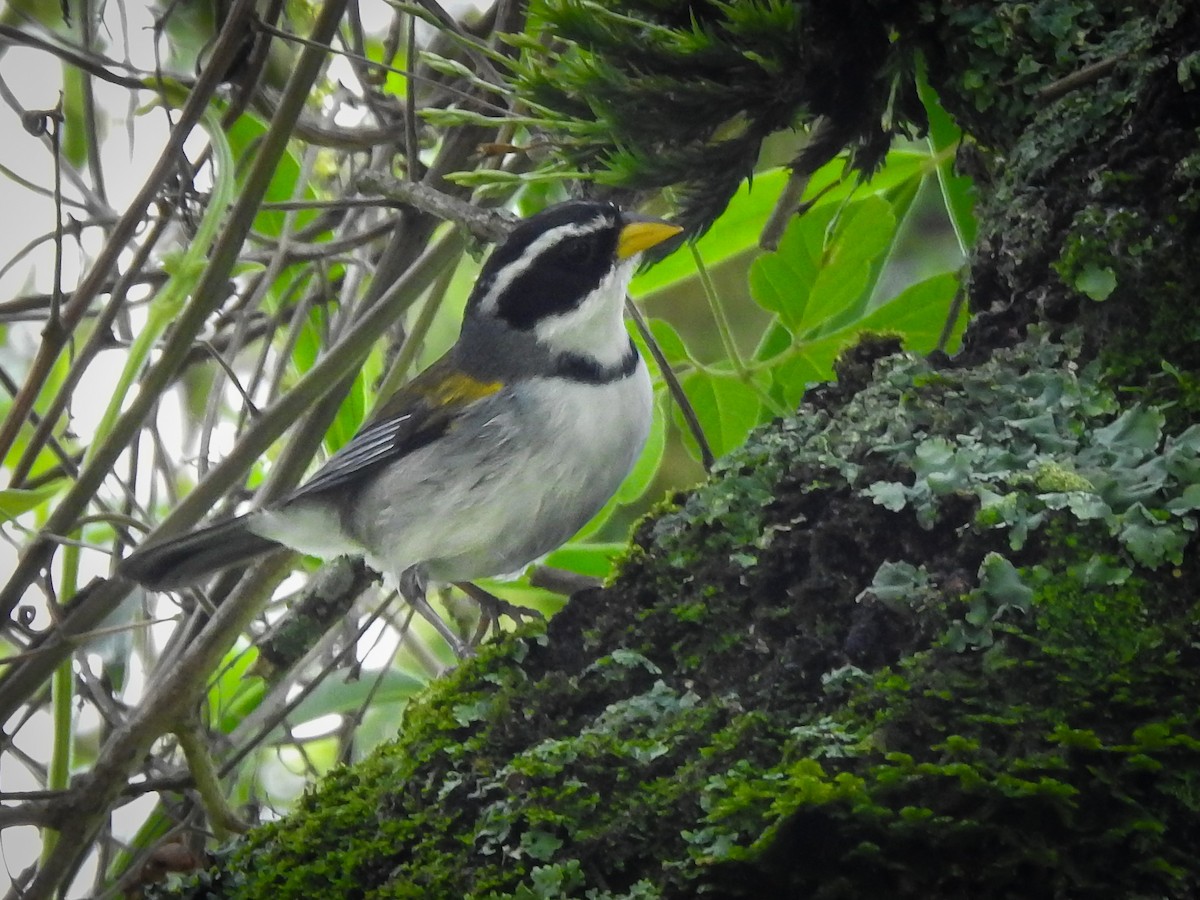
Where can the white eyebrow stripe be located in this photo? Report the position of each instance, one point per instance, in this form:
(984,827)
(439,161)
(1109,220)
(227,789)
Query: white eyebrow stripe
(521,264)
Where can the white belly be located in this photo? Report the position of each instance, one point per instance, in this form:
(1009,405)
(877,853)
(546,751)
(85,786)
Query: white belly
(495,493)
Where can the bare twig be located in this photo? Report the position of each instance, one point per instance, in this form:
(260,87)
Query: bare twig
(484,224)
(122,232)
(1087,75)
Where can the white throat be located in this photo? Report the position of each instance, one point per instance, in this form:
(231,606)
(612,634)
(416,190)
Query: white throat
(595,329)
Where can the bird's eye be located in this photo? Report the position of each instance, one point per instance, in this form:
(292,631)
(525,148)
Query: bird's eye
(578,253)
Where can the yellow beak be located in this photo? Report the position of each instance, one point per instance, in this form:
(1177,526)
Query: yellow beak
(642,235)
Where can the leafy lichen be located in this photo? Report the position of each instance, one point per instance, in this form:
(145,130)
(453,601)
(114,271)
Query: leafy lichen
(859,711)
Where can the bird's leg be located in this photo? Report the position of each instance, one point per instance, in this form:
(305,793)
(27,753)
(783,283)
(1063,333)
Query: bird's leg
(494,607)
(412,588)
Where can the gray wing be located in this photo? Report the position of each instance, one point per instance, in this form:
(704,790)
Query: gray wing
(416,415)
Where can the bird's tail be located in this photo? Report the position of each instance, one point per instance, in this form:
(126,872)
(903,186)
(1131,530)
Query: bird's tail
(186,560)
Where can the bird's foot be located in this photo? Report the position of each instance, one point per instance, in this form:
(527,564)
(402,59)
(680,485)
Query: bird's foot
(493,608)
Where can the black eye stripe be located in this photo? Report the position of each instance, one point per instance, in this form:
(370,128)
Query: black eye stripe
(531,281)
(543,291)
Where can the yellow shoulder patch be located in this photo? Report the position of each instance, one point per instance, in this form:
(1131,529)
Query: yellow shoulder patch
(456,389)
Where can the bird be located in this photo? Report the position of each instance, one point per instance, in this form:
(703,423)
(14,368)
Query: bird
(494,455)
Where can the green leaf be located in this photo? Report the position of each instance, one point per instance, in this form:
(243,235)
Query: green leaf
(1095,282)
(353,409)
(815,277)
(244,136)
(899,167)
(640,477)
(861,236)
(638,481)
(669,341)
(918,313)
(727,409)
(586,558)
(775,340)
(812,363)
(958,191)
(232,693)
(735,232)
(782,282)
(18,501)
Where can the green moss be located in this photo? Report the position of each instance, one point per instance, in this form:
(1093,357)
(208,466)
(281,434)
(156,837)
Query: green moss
(1012,50)
(1050,742)
(827,721)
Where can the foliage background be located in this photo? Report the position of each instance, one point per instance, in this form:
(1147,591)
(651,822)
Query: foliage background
(205,333)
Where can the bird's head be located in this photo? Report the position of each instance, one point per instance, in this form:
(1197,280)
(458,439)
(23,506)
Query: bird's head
(561,276)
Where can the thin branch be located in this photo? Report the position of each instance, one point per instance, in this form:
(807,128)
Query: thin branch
(484,224)
(220,814)
(223,53)
(673,385)
(1087,75)
(88,61)
(412,147)
(472,98)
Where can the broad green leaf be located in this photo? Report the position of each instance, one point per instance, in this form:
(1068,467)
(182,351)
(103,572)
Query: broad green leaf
(18,501)
(727,409)
(918,313)
(308,341)
(958,191)
(775,340)
(899,166)
(735,232)
(642,475)
(815,278)
(359,400)
(781,282)
(586,558)
(244,136)
(861,236)
(669,341)
(349,416)
(232,694)
(902,201)
(812,363)
(639,478)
